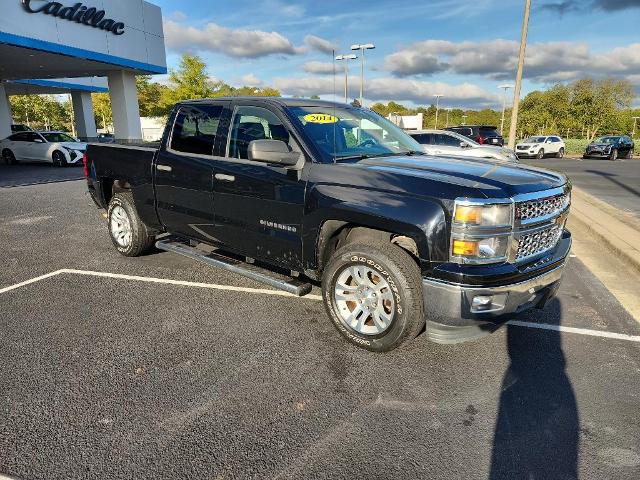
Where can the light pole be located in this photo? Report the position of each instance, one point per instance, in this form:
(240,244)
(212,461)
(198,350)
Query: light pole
(464,119)
(516,90)
(505,87)
(635,122)
(447,125)
(362,47)
(346,59)
(438,97)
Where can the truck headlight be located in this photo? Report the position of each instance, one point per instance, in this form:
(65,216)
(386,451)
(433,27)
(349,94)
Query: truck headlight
(499,215)
(481,231)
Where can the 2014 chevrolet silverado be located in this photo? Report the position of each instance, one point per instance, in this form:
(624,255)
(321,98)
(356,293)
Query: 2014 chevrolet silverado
(288,191)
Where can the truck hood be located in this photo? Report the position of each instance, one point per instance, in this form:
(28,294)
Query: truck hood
(491,178)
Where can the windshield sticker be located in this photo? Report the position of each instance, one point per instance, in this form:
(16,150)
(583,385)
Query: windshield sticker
(320,118)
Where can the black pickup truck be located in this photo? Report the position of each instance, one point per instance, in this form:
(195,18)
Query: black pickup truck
(291,192)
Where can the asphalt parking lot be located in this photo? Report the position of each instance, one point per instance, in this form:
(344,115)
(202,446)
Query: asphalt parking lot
(617,183)
(160,368)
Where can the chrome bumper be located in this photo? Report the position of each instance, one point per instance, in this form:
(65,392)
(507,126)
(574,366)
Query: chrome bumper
(453,316)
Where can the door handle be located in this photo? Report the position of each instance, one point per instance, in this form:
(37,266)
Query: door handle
(164,168)
(225,178)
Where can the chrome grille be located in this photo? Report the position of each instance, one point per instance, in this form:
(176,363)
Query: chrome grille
(541,207)
(533,243)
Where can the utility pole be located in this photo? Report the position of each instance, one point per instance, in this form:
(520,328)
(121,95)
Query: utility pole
(346,59)
(438,96)
(635,122)
(505,87)
(518,87)
(447,125)
(464,119)
(362,48)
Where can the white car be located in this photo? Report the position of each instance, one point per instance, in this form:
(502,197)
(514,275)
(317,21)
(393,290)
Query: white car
(58,148)
(444,142)
(540,147)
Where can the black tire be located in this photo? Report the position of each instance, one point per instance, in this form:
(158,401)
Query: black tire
(59,160)
(400,272)
(613,156)
(560,153)
(8,157)
(141,238)
(540,154)
(629,155)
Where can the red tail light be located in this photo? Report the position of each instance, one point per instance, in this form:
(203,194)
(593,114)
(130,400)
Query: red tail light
(480,140)
(85,163)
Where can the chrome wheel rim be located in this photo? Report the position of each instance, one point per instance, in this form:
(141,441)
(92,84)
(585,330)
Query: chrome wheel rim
(364,300)
(120,226)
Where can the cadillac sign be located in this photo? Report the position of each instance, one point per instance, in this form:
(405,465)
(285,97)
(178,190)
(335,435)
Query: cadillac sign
(89,16)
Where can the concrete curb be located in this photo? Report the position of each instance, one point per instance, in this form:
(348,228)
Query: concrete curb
(615,230)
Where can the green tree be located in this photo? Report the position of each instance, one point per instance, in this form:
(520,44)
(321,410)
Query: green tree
(150,95)
(189,81)
(40,112)
(102,109)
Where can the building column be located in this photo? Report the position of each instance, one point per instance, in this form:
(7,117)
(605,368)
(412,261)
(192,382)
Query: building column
(83,114)
(5,114)
(124,105)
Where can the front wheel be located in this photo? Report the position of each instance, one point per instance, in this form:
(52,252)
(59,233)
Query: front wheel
(8,157)
(561,153)
(129,235)
(59,159)
(614,154)
(540,154)
(373,295)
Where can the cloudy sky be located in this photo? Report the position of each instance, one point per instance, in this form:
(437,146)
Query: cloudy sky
(462,49)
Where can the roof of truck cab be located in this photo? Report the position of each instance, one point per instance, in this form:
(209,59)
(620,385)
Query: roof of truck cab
(281,101)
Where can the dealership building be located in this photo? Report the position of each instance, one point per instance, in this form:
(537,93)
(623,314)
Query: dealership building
(76,48)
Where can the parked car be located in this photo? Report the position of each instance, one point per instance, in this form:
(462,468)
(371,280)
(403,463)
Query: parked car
(19,127)
(540,147)
(58,148)
(482,134)
(340,195)
(441,142)
(611,147)
(106,137)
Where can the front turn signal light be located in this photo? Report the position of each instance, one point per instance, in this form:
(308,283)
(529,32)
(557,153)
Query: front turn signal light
(465,248)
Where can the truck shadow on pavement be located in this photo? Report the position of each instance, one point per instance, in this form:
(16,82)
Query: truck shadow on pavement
(609,176)
(537,428)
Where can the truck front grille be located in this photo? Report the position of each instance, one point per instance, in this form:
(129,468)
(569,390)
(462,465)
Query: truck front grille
(531,244)
(542,207)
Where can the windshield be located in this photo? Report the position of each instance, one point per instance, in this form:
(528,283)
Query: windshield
(55,137)
(607,140)
(535,140)
(343,132)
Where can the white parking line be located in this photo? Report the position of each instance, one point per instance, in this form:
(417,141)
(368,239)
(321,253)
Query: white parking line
(580,331)
(28,282)
(264,291)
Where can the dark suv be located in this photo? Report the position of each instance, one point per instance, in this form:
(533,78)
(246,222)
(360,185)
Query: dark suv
(483,134)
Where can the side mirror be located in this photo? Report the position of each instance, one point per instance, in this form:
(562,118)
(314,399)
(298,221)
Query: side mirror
(464,145)
(272,151)
(38,140)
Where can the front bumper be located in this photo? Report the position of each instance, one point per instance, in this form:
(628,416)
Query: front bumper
(453,317)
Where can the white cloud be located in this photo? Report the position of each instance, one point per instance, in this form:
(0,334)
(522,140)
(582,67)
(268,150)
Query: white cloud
(250,80)
(497,59)
(233,43)
(389,88)
(319,44)
(318,67)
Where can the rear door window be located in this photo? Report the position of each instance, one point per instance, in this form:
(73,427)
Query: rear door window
(195,129)
(447,140)
(423,138)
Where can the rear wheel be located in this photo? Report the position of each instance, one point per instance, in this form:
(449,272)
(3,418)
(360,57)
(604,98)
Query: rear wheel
(373,294)
(614,154)
(8,157)
(629,155)
(129,235)
(540,154)
(59,159)
(560,153)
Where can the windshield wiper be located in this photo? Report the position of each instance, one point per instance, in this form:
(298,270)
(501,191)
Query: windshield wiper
(378,155)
